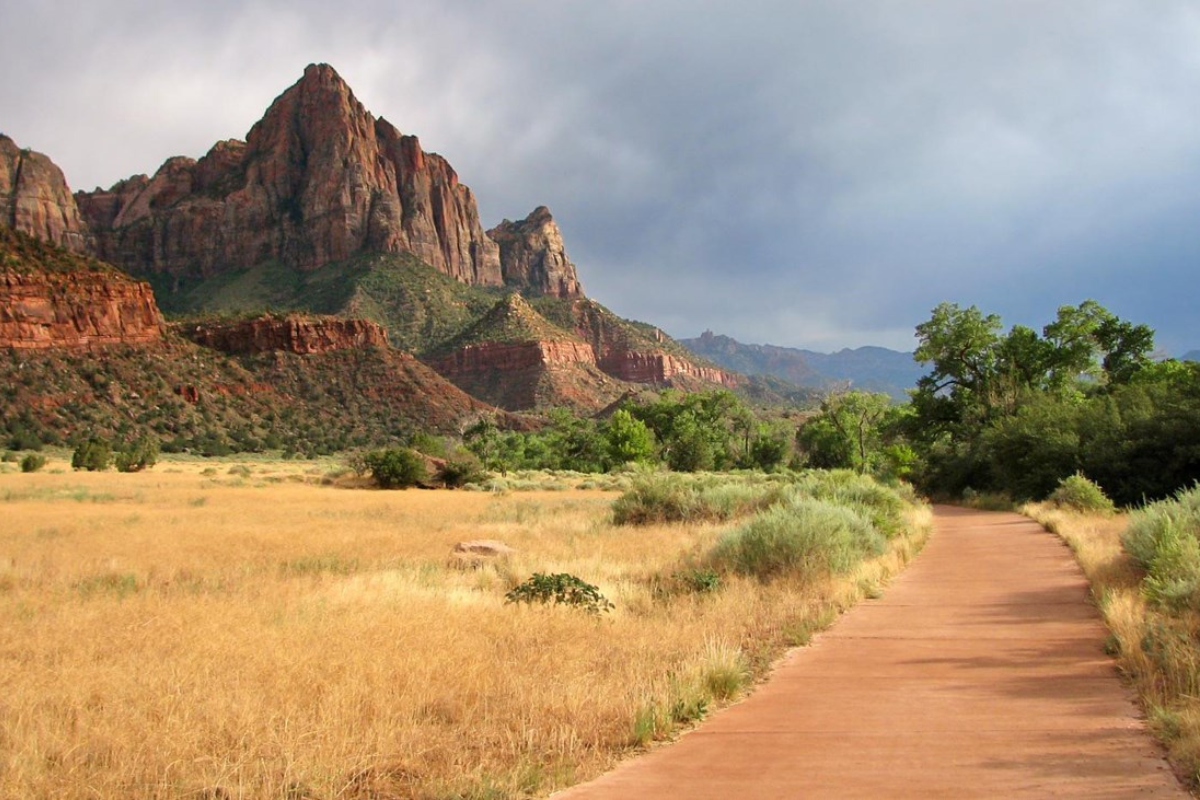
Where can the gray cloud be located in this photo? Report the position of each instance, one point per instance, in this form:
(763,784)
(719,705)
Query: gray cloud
(809,174)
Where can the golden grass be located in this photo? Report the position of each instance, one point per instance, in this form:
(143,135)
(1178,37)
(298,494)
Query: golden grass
(1157,650)
(189,631)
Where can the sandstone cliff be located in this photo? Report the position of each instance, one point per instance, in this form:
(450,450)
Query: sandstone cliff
(532,254)
(52,298)
(34,198)
(639,353)
(516,359)
(317,180)
(293,333)
(75,310)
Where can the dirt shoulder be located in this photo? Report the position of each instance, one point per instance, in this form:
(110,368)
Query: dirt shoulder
(979,673)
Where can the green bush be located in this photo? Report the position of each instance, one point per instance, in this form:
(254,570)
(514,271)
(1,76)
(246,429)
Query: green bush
(883,506)
(561,589)
(685,498)
(92,454)
(396,468)
(138,455)
(458,472)
(1080,494)
(1162,539)
(32,462)
(804,537)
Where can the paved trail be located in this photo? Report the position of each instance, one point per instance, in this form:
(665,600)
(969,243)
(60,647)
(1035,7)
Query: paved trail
(979,673)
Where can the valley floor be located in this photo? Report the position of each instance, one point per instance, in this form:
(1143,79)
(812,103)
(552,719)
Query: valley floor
(256,630)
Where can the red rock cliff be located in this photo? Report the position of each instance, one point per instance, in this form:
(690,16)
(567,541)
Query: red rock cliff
(508,357)
(293,333)
(76,309)
(532,254)
(318,179)
(35,199)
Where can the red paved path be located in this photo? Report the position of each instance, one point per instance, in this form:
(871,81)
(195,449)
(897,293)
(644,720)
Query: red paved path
(980,673)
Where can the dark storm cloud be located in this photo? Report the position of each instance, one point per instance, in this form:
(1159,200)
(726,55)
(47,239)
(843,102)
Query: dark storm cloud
(810,174)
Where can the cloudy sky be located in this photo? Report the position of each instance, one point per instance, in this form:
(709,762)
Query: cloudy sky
(802,173)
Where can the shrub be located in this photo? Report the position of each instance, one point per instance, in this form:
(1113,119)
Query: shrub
(883,506)
(32,462)
(396,468)
(1162,539)
(678,498)
(458,472)
(561,589)
(1080,494)
(804,537)
(138,455)
(92,454)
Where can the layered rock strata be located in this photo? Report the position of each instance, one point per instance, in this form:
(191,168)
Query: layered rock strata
(294,334)
(40,310)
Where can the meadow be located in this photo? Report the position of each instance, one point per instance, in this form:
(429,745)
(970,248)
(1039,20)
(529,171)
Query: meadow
(263,630)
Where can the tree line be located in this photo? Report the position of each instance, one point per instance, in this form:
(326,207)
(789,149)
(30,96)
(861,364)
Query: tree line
(1018,411)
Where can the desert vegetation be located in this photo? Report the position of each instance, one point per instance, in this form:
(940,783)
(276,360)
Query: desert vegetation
(1144,568)
(249,629)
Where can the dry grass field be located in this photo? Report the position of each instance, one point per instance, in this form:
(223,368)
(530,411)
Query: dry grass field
(243,631)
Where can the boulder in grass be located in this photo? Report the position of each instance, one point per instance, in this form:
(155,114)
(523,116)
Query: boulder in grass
(477,552)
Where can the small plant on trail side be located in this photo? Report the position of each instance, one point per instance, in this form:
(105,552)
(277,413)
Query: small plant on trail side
(561,589)
(1077,493)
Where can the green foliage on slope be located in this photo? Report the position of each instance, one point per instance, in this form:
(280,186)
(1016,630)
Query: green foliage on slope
(419,306)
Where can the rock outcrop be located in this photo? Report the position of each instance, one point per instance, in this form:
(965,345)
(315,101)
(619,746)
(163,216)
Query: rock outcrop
(517,359)
(52,298)
(75,310)
(532,255)
(293,333)
(317,180)
(639,353)
(35,199)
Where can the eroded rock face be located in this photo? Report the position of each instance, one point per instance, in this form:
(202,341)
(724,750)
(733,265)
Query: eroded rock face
(293,333)
(491,357)
(35,199)
(318,179)
(532,254)
(79,309)
(659,368)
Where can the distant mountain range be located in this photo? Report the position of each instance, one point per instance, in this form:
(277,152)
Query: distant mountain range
(1191,355)
(874,369)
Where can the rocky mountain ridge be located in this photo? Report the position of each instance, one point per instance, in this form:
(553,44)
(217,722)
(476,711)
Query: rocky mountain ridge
(318,179)
(325,209)
(875,369)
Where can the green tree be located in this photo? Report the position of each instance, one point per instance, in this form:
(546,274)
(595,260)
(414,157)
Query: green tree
(138,454)
(848,432)
(396,468)
(627,440)
(93,454)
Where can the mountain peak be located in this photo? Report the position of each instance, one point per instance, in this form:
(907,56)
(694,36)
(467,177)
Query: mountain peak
(318,180)
(532,254)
